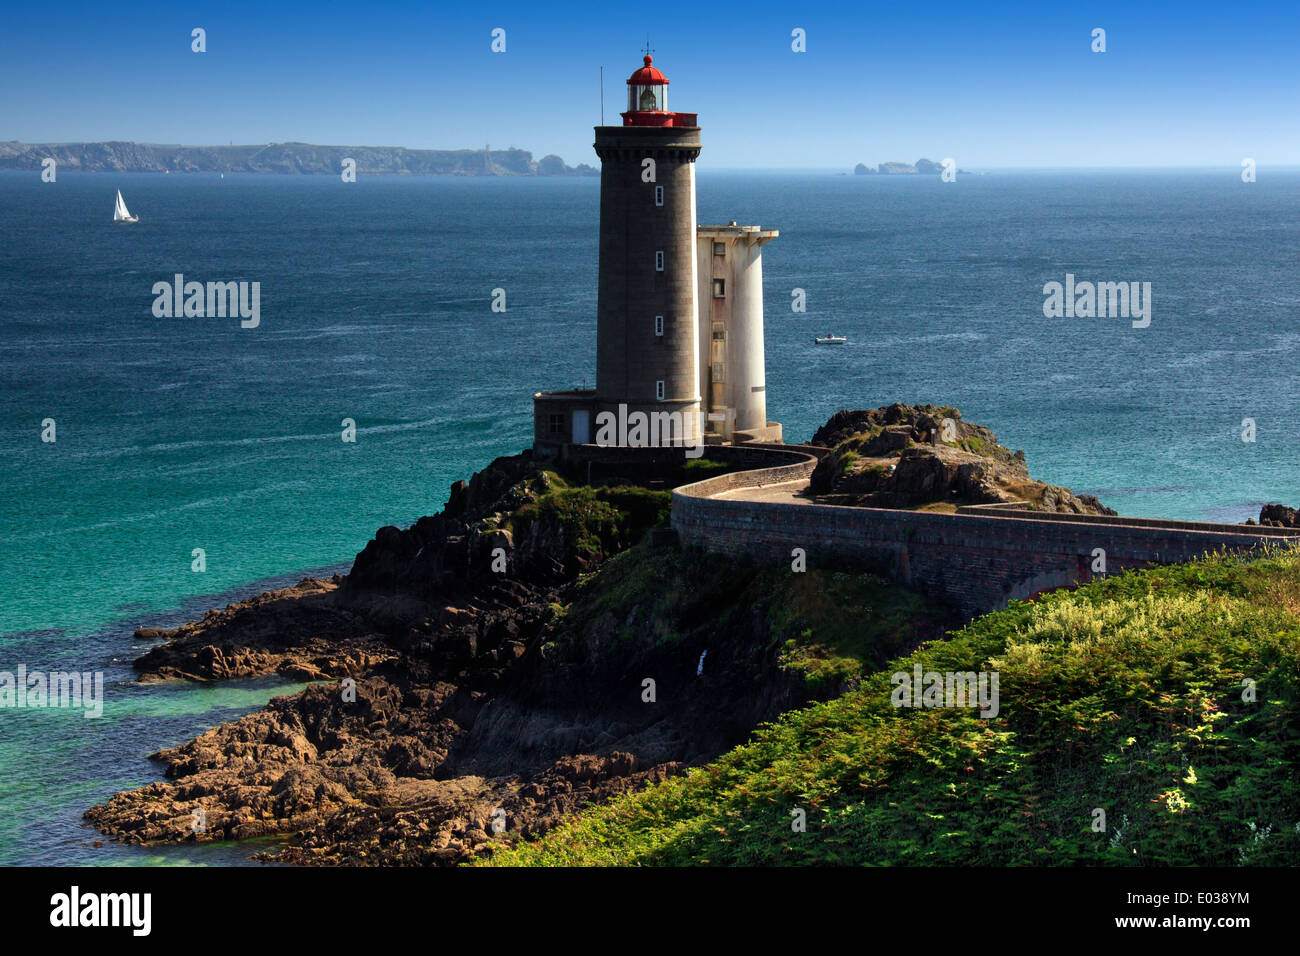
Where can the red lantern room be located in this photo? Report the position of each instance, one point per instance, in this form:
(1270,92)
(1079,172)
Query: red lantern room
(647,90)
(647,100)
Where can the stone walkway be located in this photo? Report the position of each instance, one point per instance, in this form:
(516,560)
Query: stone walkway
(787,492)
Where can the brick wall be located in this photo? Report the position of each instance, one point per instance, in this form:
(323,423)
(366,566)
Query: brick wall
(976,562)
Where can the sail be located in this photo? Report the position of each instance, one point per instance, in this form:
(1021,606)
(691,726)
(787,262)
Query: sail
(119,208)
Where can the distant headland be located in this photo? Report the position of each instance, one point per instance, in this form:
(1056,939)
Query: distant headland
(299,158)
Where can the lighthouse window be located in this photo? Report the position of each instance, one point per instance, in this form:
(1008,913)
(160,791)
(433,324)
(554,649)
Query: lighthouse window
(659,325)
(555,423)
(719,248)
(717,372)
(659,195)
(659,391)
(652,98)
(659,261)
(719,288)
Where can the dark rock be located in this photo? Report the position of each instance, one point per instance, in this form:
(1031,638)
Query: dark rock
(1279,516)
(902,456)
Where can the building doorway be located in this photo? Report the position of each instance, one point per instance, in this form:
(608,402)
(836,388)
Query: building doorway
(581,427)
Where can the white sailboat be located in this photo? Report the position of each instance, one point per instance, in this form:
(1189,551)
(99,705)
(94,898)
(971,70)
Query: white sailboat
(120,212)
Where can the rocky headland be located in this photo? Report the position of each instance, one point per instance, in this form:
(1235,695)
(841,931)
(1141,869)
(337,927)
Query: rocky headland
(292,158)
(927,457)
(484,674)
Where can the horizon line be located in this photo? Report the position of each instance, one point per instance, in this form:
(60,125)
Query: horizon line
(840,170)
(851,164)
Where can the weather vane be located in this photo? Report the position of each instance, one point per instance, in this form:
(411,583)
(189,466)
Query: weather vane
(647,51)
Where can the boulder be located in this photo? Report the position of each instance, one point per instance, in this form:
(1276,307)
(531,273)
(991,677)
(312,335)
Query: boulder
(1279,516)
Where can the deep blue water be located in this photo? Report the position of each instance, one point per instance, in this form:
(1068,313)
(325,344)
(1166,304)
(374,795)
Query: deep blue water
(176,434)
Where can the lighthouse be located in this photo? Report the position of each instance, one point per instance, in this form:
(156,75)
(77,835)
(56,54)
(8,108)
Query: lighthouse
(662,354)
(647,316)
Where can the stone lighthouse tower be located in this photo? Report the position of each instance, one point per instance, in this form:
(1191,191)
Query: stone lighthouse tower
(647,313)
(679,307)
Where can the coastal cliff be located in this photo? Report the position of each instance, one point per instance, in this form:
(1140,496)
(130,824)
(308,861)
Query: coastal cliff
(539,674)
(460,704)
(291,158)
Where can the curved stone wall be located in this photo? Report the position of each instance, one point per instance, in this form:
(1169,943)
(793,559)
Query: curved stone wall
(977,562)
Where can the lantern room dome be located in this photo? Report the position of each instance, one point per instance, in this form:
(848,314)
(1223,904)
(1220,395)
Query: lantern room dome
(647,75)
(647,100)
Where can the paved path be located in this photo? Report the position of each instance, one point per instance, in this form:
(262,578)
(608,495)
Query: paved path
(787,492)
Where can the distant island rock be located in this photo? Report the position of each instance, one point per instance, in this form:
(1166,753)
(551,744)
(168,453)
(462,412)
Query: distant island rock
(924,167)
(294,158)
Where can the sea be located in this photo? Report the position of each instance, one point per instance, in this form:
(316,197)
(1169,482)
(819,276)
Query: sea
(195,462)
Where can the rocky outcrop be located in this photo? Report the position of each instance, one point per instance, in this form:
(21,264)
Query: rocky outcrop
(920,421)
(359,778)
(453,707)
(924,167)
(487,717)
(880,431)
(299,633)
(902,456)
(446,822)
(1278,516)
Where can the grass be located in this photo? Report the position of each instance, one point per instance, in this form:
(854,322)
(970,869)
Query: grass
(597,521)
(697,469)
(1167,699)
(830,626)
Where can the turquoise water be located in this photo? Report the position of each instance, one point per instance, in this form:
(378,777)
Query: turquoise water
(55,763)
(176,434)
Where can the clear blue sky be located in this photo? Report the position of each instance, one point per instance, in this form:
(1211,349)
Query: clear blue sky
(1003,84)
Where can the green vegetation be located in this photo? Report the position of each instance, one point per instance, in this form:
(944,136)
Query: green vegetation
(600,520)
(836,627)
(1126,695)
(937,507)
(697,469)
(830,626)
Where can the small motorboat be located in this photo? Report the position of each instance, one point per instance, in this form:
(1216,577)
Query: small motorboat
(830,339)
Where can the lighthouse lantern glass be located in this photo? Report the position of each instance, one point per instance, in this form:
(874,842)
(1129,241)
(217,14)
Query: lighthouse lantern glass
(648,99)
